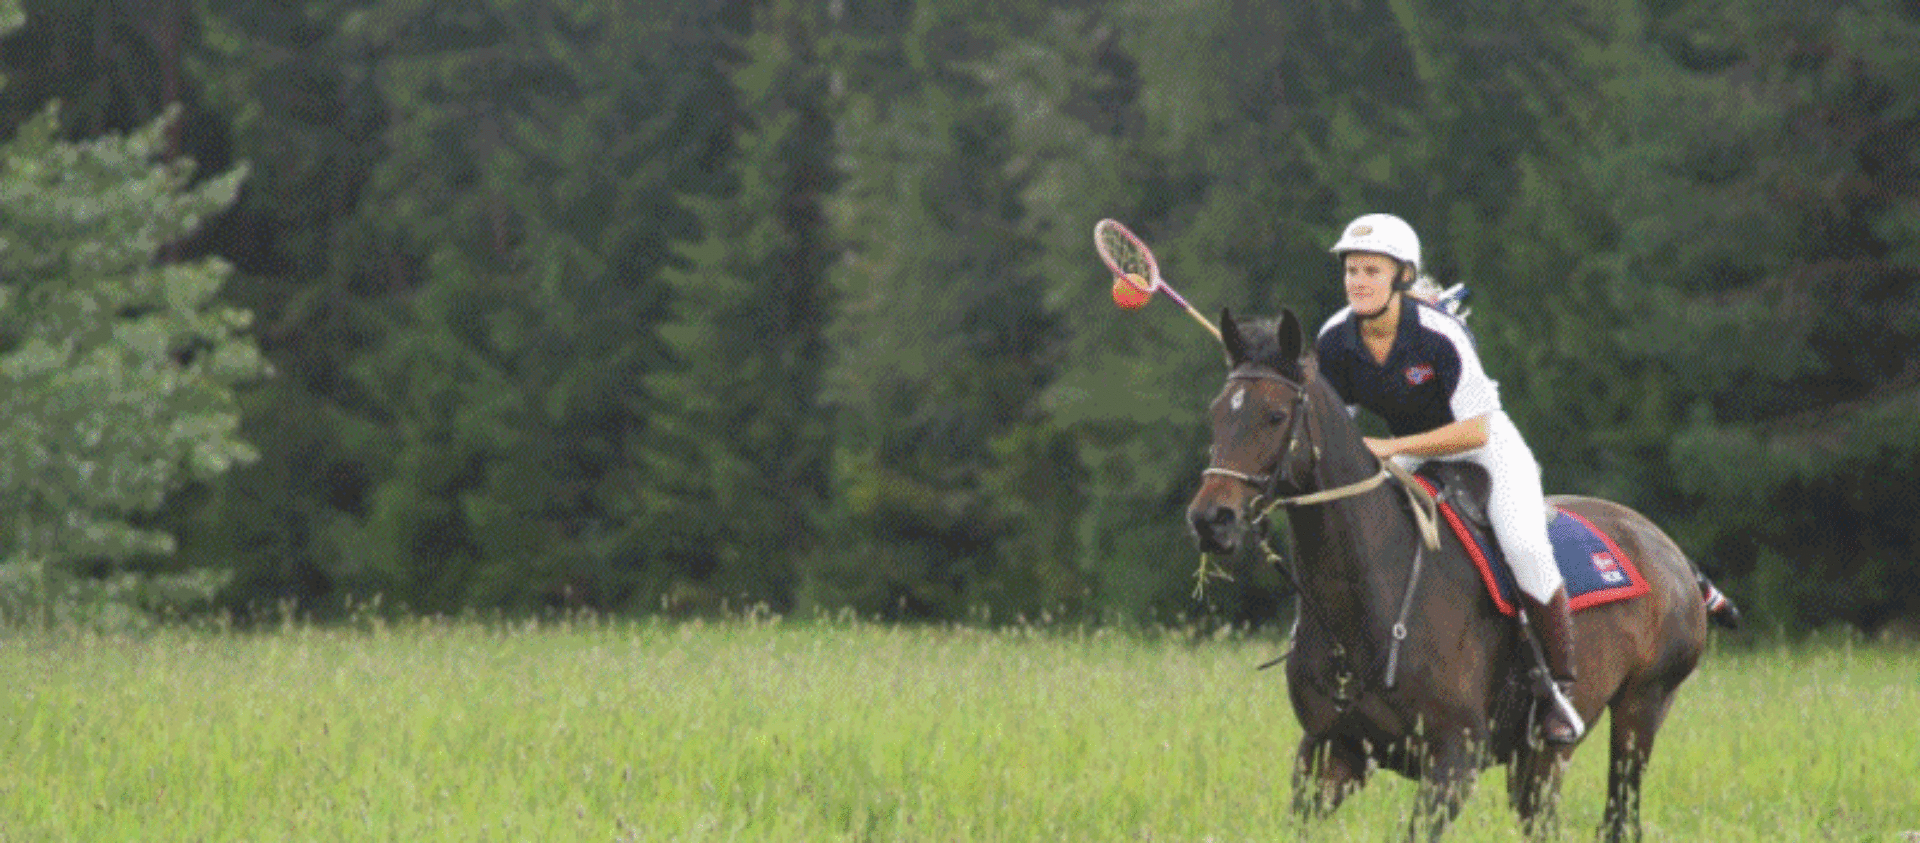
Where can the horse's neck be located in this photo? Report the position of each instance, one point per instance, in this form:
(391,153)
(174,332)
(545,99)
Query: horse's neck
(1351,550)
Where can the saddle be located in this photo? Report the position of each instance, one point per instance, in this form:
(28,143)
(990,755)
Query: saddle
(1465,486)
(1595,570)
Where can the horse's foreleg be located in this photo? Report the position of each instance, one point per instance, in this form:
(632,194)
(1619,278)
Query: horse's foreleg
(1636,719)
(1447,781)
(1325,772)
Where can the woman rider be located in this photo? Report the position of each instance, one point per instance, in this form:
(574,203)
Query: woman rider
(1418,370)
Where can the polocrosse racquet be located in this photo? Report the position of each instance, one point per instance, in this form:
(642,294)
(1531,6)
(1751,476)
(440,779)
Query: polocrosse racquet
(1132,262)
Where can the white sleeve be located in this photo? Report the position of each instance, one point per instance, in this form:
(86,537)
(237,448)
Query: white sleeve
(1475,394)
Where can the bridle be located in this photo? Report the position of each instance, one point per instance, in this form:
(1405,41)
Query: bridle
(1268,485)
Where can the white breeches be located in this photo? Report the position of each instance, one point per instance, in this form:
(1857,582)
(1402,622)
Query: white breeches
(1517,508)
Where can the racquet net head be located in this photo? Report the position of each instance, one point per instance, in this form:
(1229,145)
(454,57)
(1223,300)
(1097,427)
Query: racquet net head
(1123,252)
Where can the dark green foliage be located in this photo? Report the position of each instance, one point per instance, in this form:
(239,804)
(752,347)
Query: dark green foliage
(686,305)
(1768,247)
(467,208)
(113,64)
(728,477)
(300,103)
(526,187)
(953,488)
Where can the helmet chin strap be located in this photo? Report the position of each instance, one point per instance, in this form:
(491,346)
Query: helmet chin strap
(1402,280)
(1369,317)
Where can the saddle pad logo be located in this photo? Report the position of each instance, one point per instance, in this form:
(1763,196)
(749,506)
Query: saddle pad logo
(1420,374)
(1607,568)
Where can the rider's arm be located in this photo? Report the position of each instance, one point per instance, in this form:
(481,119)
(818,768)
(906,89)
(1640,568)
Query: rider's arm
(1472,396)
(1445,440)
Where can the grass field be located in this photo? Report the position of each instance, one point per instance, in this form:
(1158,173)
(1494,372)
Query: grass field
(780,731)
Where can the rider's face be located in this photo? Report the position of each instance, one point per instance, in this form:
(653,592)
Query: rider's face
(1369,281)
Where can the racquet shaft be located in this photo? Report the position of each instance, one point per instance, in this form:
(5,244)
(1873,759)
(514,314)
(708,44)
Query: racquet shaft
(1179,300)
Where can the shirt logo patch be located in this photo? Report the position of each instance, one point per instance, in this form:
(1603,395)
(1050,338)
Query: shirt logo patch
(1420,374)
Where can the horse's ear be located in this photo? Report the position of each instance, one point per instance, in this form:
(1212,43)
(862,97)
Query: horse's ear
(1293,341)
(1230,337)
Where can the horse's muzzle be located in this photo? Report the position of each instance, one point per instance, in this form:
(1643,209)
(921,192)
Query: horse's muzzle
(1216,527)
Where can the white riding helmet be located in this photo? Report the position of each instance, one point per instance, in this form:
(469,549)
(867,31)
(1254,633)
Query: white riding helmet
(1383,234)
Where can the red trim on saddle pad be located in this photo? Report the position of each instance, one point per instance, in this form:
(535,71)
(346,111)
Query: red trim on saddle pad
(1473,549)
(1635,586)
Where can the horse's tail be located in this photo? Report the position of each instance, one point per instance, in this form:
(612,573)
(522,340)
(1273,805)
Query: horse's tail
(1720,609)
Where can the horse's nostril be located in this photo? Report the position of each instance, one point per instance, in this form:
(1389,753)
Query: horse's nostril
(1214,528)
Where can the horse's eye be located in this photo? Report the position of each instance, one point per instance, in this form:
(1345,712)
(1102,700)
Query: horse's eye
(1276,418)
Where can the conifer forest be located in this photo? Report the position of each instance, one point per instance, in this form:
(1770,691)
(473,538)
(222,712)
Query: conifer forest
(682,307)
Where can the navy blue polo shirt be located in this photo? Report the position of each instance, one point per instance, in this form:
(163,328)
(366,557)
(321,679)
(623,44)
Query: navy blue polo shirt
(1432,376)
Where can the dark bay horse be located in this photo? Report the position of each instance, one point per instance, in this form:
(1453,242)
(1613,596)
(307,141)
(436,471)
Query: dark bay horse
(1450,697)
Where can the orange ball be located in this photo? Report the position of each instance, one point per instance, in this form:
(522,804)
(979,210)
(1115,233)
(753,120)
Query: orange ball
(1130,291)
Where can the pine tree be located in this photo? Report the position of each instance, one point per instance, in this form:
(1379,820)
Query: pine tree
(731,473)
(942,343)
(525,195)
(293,94)
(117,370)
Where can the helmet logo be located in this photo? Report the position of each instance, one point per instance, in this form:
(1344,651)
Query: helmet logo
(1361,231)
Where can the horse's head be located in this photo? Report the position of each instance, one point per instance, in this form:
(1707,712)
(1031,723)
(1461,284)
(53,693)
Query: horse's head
(1260,440)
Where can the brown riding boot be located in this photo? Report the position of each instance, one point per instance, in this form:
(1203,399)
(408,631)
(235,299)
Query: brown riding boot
(1560,724)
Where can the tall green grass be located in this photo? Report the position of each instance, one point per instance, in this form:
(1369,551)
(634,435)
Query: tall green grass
(781,731)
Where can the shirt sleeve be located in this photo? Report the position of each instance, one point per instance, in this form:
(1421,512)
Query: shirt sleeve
(1472,393)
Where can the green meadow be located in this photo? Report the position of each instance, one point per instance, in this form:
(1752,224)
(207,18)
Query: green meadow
(772,730)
